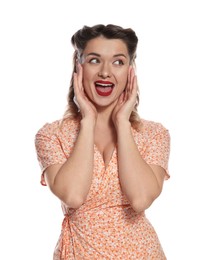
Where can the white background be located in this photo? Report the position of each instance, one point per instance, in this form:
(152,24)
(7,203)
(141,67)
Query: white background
(35,69)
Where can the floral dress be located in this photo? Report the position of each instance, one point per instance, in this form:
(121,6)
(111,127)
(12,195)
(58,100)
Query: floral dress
(105,226)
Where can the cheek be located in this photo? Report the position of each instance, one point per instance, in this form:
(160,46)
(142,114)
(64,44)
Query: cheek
(88,75)
(87,79)
(123,72)
(123,78)
(85,73)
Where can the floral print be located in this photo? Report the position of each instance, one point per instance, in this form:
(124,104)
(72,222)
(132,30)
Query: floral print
(105,226)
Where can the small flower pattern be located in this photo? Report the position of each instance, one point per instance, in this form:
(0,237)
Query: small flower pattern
(105,226)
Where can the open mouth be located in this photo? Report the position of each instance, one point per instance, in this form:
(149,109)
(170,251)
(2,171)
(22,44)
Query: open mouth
(104,88)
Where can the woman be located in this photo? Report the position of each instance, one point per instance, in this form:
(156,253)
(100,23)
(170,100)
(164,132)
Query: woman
(102,161)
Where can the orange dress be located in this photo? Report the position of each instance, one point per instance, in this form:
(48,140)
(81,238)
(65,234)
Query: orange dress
(105,227)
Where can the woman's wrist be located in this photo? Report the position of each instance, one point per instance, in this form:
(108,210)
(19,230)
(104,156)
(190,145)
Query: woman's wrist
(122,124)
(87,122)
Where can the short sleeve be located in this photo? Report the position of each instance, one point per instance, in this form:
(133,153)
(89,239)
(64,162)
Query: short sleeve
(49,149)
(158,149)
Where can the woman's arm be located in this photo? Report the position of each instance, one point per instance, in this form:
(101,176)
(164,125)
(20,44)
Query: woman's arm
(71,181)
(141,183)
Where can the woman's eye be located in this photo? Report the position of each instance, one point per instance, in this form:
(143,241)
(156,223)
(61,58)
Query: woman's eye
(119,62)
(94,61)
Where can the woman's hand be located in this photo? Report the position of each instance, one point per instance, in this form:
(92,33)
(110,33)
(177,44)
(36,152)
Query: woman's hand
(87,109)
(127,100)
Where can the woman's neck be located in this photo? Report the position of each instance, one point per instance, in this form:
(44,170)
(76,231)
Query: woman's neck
(105,115)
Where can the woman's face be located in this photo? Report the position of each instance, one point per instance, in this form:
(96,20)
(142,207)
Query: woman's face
(105,65)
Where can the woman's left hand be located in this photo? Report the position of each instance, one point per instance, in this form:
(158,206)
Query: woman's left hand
(127,99)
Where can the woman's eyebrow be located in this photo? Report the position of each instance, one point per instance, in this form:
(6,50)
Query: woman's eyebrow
(93,54)
(120,54)
(98,55)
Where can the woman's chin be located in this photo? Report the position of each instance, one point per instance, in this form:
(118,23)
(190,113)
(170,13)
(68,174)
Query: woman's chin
(105,103)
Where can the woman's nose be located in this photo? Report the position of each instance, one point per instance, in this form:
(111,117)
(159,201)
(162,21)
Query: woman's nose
(105,71)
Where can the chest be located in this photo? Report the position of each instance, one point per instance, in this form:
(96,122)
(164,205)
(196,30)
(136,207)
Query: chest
(105,144)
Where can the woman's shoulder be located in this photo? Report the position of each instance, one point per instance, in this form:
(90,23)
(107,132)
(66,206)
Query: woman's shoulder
(152,125)
(57,127)
(149,127)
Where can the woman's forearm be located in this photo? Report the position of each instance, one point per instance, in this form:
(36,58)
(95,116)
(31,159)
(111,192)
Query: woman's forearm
(73,180)
(137,178)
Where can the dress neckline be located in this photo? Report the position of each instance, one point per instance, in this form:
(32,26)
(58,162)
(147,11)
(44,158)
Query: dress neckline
(111,157)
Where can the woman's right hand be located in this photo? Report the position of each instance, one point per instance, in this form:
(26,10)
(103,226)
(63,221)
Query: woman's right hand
(86,107)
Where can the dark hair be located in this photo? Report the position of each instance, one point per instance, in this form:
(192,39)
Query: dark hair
(79,41)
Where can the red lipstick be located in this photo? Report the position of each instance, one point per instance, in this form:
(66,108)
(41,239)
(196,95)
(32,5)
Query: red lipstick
(104,88)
